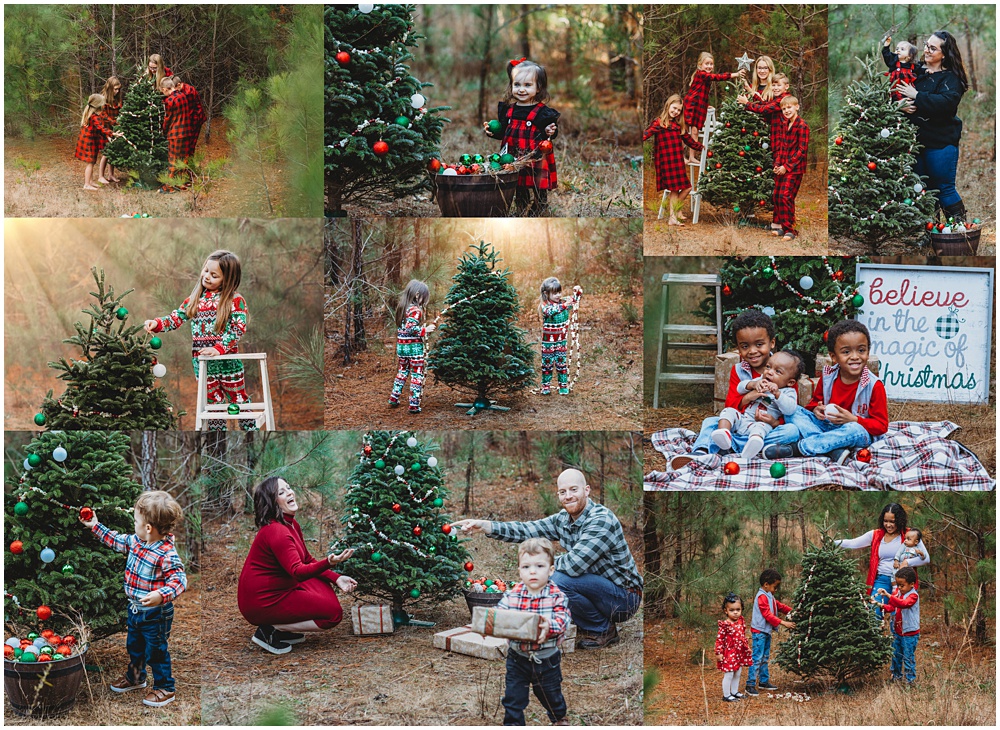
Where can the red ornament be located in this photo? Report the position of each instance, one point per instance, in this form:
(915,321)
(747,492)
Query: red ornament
(742,153)
(718,165)
(545,147)
(8,652)
(475,169)
(86,514)
(930,225)
(44,613)
(17,547)
(462,170)
(726,291)
(446,529)
(43,658)
(709,153)
(864,455)
(418,530)
(343,58)
(839,141)
(48,634)
(760,169)
(396,508)
(469,567)
(940,226)
(755,134)
(380,148)
(434,165)
(872,166)
(825,335)
(69,640)
(838,275)
(368,449)
(64,649)
(743,130)
(731,468)
(763,202)
(728,125)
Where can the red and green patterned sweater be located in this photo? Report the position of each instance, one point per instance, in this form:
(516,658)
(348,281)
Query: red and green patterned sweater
(203,332)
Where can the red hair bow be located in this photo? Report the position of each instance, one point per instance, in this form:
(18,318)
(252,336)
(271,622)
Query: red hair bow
(515,61)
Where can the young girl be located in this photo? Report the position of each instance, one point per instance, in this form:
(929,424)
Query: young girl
(527,125)
(555,312)
(761,89)
(156,70)
(94,133)
(218,317)
(732,651)
(112,93)
(901,64)
(696,98)
(668,155)
(410,342)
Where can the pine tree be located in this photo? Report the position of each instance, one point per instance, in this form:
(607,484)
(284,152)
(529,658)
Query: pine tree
(836,634)
(372,100)
(84,581)
(479,346)
(739,174)
(774,284)
(889,201)
(405,549)
(112,385)
(142,147)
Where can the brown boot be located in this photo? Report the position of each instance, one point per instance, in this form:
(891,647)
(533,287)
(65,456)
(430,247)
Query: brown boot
(600,641)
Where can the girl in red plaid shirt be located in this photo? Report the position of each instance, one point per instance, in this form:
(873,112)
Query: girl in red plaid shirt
(771,111)
(696,98)
(112,93)
(95,130)
(670,134)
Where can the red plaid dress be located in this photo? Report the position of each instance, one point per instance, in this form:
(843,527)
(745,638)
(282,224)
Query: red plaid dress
(732,644)
(790,151)
(898,73)
(668,155)
(181,128)
(93,137)
(771,111)
(521,137)
(696,98)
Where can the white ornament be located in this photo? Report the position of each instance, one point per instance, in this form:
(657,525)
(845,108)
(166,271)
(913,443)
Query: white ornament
(417,101)
(885,133)
(31,649)
(769,311)
(764,145)
(411,442)
(59,454)
(806,282)
(831,409)
(947,229)
(159,370)
(365,8)
(432,461)
(14,642)
(960,228)
(399,469)
(917,187)
(27,466)
(448,171)
(40,642)
(47,555)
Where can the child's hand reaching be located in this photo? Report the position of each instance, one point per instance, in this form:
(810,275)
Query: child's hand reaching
(543,629)
(430,328)
(882,592)
(743,99)
(346,583)
(551,130)
(486,129)
(888,41)
(149,325)
(153,598)
(92,521)
(788,624)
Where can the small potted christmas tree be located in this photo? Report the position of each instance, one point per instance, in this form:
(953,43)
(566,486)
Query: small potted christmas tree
(142,146)
(113,383)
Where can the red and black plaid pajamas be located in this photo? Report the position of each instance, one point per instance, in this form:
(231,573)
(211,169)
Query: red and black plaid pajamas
(790,151)
(93,137)
(522,137)
(668,155)
(696,98)
(182,120)
(771,111)
(898,73)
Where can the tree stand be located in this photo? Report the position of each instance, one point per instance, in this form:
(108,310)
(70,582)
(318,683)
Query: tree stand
(482,403)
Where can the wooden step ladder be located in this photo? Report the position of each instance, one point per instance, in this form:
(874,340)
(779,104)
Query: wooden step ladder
(261,413)
(667,373)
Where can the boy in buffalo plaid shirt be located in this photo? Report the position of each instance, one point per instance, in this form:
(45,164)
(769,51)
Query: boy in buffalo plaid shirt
(154,577)
(182,120)
(790,151)
(536,664)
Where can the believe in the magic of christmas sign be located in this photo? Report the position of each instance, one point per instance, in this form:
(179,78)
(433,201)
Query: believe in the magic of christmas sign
(931,329)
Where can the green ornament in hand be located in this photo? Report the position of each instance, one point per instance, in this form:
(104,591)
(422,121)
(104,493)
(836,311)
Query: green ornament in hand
(495,127)
(156,343)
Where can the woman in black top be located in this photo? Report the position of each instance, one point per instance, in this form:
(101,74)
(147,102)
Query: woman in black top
(933,106)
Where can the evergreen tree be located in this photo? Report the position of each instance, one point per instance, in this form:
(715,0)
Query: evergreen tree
(836,634)
(84,581)
(874,193)
(142,147)
(380,133)
(479,346)
(112,385)
(777,285)
(405,549)
(739,174)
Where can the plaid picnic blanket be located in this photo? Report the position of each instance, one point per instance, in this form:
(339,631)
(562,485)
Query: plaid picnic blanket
(912,456)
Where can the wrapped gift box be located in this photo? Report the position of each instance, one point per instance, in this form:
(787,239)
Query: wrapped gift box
(463,640)
(505,624)
(372,620)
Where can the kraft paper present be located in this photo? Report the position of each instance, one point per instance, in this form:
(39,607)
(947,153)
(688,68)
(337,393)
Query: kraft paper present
(463,640)
(372,620)
(505,624)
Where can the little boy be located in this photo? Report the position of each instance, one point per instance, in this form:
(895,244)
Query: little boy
(771,111)
(791,149)
(536,664)
(909,549)
(905,602)
(849,410)
(762,623)
(182,120)
(901,65)
(154,577)
(754,334)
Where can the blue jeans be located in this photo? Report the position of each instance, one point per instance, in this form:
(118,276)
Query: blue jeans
(596,602)
(940,167)
(904,656)
(148,634)
(545,680)
(761,654)
(821,437)
(783,434)
(881,581)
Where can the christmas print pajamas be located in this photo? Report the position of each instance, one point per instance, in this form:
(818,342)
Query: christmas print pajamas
(410,351)
(555,324)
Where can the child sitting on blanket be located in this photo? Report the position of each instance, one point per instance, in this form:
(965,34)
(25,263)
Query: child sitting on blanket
(848,410)
(754,334)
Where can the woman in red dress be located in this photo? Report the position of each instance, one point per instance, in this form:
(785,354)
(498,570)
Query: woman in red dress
(283,590)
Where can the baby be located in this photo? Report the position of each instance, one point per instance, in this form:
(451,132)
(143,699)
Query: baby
(777,395)
(909,549)
(901,64)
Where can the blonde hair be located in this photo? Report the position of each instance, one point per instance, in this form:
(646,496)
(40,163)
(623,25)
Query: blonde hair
(537,546)
(549,287)
(160,510)
(159,68)
(229,265)
(167,82)
(665,114)
(768,93)
(94,103)
(701,59)
(788,100)
(108,92)
(541,80)
(415,293)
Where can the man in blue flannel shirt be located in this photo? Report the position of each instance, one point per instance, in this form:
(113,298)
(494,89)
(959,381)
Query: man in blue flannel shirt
(597,572)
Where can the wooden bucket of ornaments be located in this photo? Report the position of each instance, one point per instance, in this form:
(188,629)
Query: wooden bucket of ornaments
(43,689)
(964,242)
(462,194)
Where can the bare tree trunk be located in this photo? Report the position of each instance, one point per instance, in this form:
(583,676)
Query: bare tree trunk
(650,538)
(970,61)
(211,79)
(353,312)
(981,636)
(802,526)
(600,474)
(486,62)
(114,56)
(524,444)
(678,554)
(470,472)
(426,10)
(393,252)
(148,466)
(524,31)
(772,534)
(548,242)
(416,244)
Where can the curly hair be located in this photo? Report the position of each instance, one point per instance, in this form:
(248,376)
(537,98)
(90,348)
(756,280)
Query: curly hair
(752,318)
(842,328)
(898,512)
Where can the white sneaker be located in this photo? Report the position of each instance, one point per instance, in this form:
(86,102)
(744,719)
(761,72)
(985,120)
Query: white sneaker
(723,439)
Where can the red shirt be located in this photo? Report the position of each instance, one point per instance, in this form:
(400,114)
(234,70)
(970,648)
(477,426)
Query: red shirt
(876,422)
(765,611)
(894,602)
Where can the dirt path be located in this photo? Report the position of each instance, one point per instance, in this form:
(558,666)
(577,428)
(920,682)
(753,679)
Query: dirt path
(606,397)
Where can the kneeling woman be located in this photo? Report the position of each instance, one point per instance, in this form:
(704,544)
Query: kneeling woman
(283,590)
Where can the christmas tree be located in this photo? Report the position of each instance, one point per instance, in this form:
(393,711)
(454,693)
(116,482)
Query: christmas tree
(802,295)
(380,133)
(836,634)
(51,559)
(479,348)
(142,147)
(405,549)
(874,193)
(113,383)
(739,170)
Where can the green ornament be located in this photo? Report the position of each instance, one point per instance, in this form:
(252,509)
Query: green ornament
(976,221)
(843,179)
(416,466)
(39,419)
(32,636)
(47,650)
(356,510)
(778,470)
(21,509)
(736,209)
(371,503)
(29,657)
(34,460)
(494,158)
(495,165)
(67,569)
(380,464)
(908,201)
(57,657)
(465,159)
(376,557)
(488,582)
(432,549)
(234,409)
(481,403)
(495,126)
(403,121)
(768,272)
(415,593)
(121,313)
(453,537)
(857,300)
(438,503)
(156,343)
(746,148)
(18,652)
(507,158)
(478,158)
